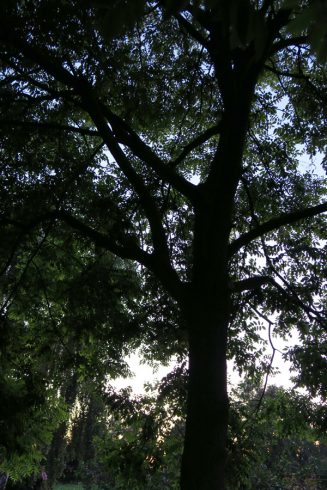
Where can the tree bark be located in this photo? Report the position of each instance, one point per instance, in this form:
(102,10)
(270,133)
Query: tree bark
(204,457)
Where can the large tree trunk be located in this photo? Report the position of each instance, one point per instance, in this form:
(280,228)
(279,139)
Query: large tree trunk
(204,457)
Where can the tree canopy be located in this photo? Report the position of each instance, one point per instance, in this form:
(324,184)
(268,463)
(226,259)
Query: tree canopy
(162,185)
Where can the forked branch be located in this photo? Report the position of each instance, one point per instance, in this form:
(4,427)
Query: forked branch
(126,249)
(134,142)
(88,100)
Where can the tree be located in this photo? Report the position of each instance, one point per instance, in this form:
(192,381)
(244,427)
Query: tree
(141,445)
(175,141)
(276,441)
(47,346)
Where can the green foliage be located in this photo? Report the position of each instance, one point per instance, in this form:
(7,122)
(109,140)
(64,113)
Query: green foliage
(138,441)
(28,430)
(276,444)
(110,112)
(115,18)
(312,19)
(47,337)
(68,486)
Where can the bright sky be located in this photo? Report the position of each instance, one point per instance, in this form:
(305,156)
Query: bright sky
(144,373)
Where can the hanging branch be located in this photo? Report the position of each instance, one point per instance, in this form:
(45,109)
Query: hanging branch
(274,350)
(290,292)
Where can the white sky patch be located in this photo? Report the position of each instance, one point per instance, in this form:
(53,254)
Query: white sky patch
(146,373)
(143,373)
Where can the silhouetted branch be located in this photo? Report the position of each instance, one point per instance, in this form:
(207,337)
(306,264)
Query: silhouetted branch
(285,43)
(192,31)
(300,76)
(130,138)
(254,282)
(199,140)
(270,325)
(276,223)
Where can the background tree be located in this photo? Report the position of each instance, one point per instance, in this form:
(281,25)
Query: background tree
(52,333)
(274,442)
(137,440)
(176,142)
(277,441)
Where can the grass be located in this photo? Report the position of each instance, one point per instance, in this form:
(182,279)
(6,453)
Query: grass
(69,486)
(73,486)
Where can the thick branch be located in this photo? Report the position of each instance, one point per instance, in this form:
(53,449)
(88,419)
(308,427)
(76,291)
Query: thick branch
(300,76)
(130,138)
(192,31)
(276,223)
(203,17)
(124,247)
(136,181)
(251,283)
(290,41)
(199,140)
(89,102)
(128,250)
